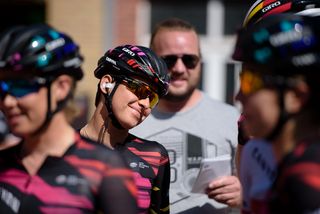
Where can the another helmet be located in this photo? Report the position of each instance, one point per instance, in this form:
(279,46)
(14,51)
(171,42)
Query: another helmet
(135,62)
(282,42)
(263,8)
(40,50)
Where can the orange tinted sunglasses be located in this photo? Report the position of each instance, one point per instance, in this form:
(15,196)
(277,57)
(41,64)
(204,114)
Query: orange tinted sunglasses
(142,91)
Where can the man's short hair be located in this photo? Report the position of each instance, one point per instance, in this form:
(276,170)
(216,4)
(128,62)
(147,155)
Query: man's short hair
(172,24)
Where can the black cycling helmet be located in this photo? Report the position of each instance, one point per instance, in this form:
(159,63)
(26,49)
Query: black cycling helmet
(40,50)
(135,62)
(263,8)
(281,42)
(286,45)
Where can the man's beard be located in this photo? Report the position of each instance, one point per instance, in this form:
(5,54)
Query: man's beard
(178,97)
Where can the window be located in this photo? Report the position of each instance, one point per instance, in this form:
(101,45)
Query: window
(195,13)
(234,14)
(22,12)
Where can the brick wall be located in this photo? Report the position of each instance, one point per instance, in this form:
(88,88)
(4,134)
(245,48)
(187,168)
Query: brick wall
(82,19)
(125,19)
(87,21)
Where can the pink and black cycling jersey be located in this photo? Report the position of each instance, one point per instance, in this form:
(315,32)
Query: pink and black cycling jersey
(88,178)
(150,162)
(297,188)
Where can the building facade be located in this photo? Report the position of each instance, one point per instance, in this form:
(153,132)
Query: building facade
(101,24)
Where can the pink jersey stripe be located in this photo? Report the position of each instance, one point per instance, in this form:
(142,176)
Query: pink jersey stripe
(47,194)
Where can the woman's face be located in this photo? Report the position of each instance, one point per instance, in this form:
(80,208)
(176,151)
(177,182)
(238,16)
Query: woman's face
(128,108)
(261,111)
(25,112)
(260,106)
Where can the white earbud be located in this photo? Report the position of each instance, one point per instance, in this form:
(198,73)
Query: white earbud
(108,85)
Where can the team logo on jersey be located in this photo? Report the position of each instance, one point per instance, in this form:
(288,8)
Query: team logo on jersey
(71,180)
(8,198)
(141,165)
(133,164)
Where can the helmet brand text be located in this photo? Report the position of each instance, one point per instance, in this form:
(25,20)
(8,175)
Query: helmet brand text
(270,6)
(128,51)
(287,37)
(55,44)
(111,60)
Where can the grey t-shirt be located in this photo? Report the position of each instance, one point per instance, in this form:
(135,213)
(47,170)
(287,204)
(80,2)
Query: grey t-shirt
(207,130)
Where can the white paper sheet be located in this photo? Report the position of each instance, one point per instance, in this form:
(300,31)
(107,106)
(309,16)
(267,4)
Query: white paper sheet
(210,169)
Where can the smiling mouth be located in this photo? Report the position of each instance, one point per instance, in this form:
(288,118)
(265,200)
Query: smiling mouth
(177,81)
(12,119)
(137,112)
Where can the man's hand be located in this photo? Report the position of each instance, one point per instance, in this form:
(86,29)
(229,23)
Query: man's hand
(226,190)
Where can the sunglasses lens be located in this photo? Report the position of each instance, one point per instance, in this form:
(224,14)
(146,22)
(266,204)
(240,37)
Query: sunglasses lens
(18,88)
(154,100)
(190,61)
(153,97)
(142,92)
(250,82)
(170,60)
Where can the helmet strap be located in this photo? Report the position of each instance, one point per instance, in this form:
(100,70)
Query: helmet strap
(48,115)
(284,116)
(108,102)
(60,105)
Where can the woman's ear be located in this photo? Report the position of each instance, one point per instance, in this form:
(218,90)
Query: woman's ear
(296,98)
(106,84)
(62,86)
